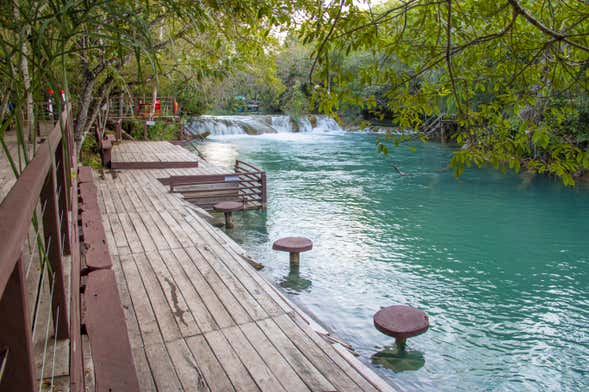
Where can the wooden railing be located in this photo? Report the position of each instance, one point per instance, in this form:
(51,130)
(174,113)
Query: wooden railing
(254,181)
(36,225)
(246,185)
(142,108)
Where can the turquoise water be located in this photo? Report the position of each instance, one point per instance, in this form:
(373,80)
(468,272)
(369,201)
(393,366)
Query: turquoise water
(499,263)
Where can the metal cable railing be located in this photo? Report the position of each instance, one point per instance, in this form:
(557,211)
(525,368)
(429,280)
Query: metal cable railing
(35,227)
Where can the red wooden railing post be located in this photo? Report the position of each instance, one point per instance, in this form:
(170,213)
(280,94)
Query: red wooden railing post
(15,333)
(52,235)
(64,195)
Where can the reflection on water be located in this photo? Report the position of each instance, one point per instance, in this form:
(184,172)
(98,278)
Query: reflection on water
(294,283)
(390,357)
(499,262)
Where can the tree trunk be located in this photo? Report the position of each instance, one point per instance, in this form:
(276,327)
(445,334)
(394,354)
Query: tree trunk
(29,114)
(85,102)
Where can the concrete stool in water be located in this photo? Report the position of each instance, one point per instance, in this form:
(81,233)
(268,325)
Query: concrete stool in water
(293,245)
(401,322)
(227,207)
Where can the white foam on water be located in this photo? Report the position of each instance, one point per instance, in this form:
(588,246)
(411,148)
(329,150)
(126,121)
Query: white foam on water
(260,124)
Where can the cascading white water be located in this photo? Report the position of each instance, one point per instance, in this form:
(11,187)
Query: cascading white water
(259,124)
(282,124)
(325,123)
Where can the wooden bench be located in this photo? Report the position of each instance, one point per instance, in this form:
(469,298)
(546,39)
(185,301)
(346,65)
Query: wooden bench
(85,175)
(95,247)
(103,317)
(114,369)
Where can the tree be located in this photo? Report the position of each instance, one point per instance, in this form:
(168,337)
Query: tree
(87,48)
(514,74)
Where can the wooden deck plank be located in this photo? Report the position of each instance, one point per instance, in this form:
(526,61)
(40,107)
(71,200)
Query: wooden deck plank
(255,365)
(203,289)
(238,374)
(129,232)
(154,230)
(208,363)
(220,254)
(167,233)
(234,308)
(287,323)
(139,357)
(144,373)
(132,325)
(163,313)
(193,236)
(124,197)
(146,320)
(204,319)
(116,198)
(320,359)
(275,304)
(247,301)
(117,231)
(273,359)
(173,295)
(110,240)
(147,241)
(314,379)
(162,369)
(188,373)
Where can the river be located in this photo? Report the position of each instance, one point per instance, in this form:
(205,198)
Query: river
(500,264)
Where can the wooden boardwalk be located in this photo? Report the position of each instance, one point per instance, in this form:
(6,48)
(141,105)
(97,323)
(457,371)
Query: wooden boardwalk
(150,154)
(199,317)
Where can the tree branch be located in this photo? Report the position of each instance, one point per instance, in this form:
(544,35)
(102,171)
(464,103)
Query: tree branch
(556,35)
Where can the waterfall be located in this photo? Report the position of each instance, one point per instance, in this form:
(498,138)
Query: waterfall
(325,123)
(282,123)
(259,124)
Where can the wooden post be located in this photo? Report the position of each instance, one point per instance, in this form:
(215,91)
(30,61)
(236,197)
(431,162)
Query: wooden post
(295,259)
(15,333)
(119,130)
(443,132)
(52,234)
(229,220)
(145,130)
(263,186)
(106,153)
(64,207)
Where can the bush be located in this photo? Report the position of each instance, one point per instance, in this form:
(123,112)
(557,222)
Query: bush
(160,131)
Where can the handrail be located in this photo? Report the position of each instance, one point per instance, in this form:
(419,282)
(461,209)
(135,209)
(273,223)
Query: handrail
(45,181)
(239,163)
(18,206)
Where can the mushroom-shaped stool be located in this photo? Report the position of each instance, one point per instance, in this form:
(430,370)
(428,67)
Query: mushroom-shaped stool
(293,245)
(401,322)
(227,207)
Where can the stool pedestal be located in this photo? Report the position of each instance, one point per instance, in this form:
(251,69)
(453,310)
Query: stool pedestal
(227,207)
(293,245)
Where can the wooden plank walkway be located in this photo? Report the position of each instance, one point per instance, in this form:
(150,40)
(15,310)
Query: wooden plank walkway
(139,154)
(199,316)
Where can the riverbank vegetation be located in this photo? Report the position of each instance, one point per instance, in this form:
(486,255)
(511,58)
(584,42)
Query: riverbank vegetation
(512,75)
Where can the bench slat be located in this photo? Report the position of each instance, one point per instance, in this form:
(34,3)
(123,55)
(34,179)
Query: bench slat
(114,369)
